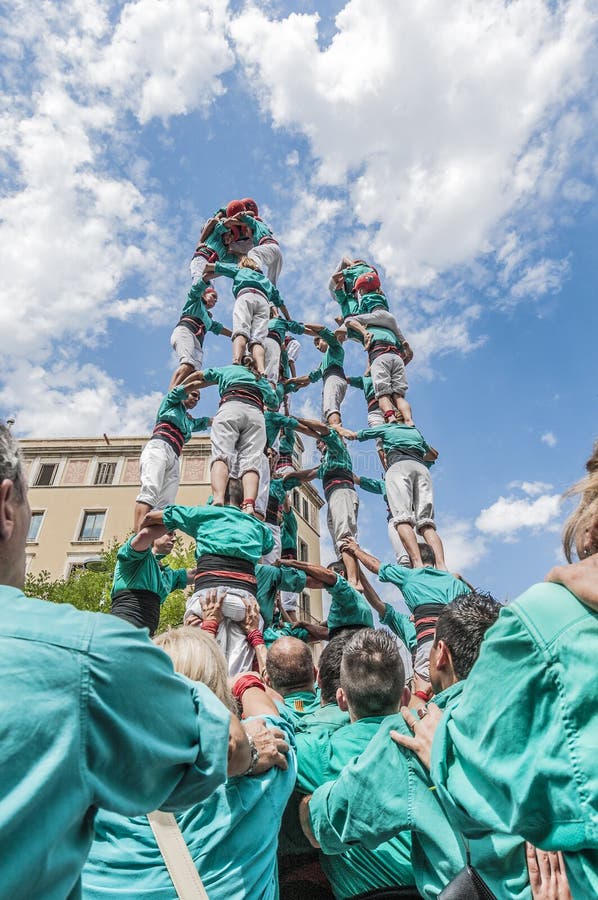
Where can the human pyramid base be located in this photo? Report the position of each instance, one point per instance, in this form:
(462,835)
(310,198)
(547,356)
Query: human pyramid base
(361,778)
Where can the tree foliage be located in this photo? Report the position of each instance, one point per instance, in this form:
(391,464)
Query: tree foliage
(90,590)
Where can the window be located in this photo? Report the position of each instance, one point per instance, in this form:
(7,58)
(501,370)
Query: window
(34,526)
(75,569)
(304,607)
(305,508)
(46,474)
(295,499)
(105,473)
(302,551)
(92,525)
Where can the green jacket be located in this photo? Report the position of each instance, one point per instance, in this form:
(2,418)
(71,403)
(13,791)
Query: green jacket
(380,793)
(518,754)
(321,757)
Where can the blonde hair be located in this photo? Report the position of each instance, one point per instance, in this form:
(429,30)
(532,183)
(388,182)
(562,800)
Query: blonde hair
(586,514)
(246,262)
(196,654)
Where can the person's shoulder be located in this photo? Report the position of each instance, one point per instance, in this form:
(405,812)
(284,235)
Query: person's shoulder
(546,611)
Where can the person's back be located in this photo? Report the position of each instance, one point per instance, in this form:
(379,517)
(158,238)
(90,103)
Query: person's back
(78,733)
(232,835)
(372,682)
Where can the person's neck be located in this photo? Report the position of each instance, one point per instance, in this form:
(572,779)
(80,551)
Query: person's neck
(445,681)
(296,689)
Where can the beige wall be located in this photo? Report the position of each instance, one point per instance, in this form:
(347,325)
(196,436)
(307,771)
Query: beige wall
(73,493)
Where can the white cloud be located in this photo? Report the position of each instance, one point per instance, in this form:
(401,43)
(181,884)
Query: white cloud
(549,439)
(463,548)
(440,121)
(531,488)
(509,515)
(76,402)
(166,59)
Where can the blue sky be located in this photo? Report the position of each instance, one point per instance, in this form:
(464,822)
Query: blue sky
(452,145)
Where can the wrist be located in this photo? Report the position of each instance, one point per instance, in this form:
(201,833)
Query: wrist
(423,695)
(210,625)
(255,638)
(254,756)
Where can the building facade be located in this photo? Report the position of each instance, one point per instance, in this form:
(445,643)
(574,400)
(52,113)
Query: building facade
(82,494)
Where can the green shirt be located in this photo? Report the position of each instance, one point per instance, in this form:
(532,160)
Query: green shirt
(347,302)
(299,704)
(227,377)
(92,717)
(382,792)
(348,608)
(352,273)
(374,300)
(215,242)
(281,326)
(141,570)
(288,531)
(326,718)
(270,580)
(223,530)
(274,422)
(403,438)
(173,411)
(401,625)
(333,356)
(365,384)
(259,229)
(321,757)
(336,455)
(232,837)
(244,279)
(379,335)
(285,629)
(523,759)
(196,308)
(426,585)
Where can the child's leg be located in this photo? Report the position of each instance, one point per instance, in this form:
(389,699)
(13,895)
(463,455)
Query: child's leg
(431,537)
(189,353)
(404,408)
(382,319)
(258,329)
(223,437)
(334,389)
(154,462)
(343,505)
(250,450)
(272,360)
(269,259)
(241,328)
(409,541)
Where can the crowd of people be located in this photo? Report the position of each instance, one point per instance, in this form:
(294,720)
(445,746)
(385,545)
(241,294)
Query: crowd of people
(448,752)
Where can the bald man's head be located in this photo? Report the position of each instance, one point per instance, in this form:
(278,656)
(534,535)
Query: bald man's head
(289,666)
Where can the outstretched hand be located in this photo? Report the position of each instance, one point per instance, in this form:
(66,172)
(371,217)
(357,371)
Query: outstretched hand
(252,616)
(349,545)
(423,729)
(211,605)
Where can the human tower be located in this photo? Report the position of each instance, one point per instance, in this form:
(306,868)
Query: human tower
(248,525)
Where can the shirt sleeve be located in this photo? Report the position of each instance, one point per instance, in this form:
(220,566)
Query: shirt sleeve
(179,579)
(201,424)
(342,813)
(366,434)
(292,579)
(216,327)
(401,625)
(330,338)
(371,485)
(151,738)
(295,327)
(355,381)
(211,376)
(228,269)
(185,518)
(522,733)
(268,541)
(315,375)
(395,574)
(174,397)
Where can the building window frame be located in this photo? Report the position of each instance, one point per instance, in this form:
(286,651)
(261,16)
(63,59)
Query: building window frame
(41,514)
(41,466)
(304,608)
(104,467)
(302,550)
(79,539)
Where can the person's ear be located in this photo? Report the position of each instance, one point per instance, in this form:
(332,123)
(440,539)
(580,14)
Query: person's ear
(7,509)
(341,699)
(406,697)
(443,655)
(266,678)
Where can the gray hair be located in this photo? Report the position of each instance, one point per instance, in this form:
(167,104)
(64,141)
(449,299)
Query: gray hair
(372,673)
(11,464)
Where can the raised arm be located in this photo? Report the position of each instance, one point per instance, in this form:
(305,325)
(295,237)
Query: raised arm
(371,596)
(305,474)
(320,574)
(314,427)
(350,545)
(144,538)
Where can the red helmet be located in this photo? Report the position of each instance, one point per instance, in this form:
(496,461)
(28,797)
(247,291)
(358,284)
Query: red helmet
(210,290)
(250,205)
(367,282)
(234,207)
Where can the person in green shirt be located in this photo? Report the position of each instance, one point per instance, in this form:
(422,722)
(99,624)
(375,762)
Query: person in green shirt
(336,472)
(232,836)
(266,249)
(329,716)
(290,672)
(348,609)
(271,580)
(278,328)
(409,487)
(365,807)
(141,583)
(330,371)
(93,717)
(228,545)
(254,293)
(372,687)
(214,245)
(342,282)
(238,434)
(160,464)
(188,335)
(425,591)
